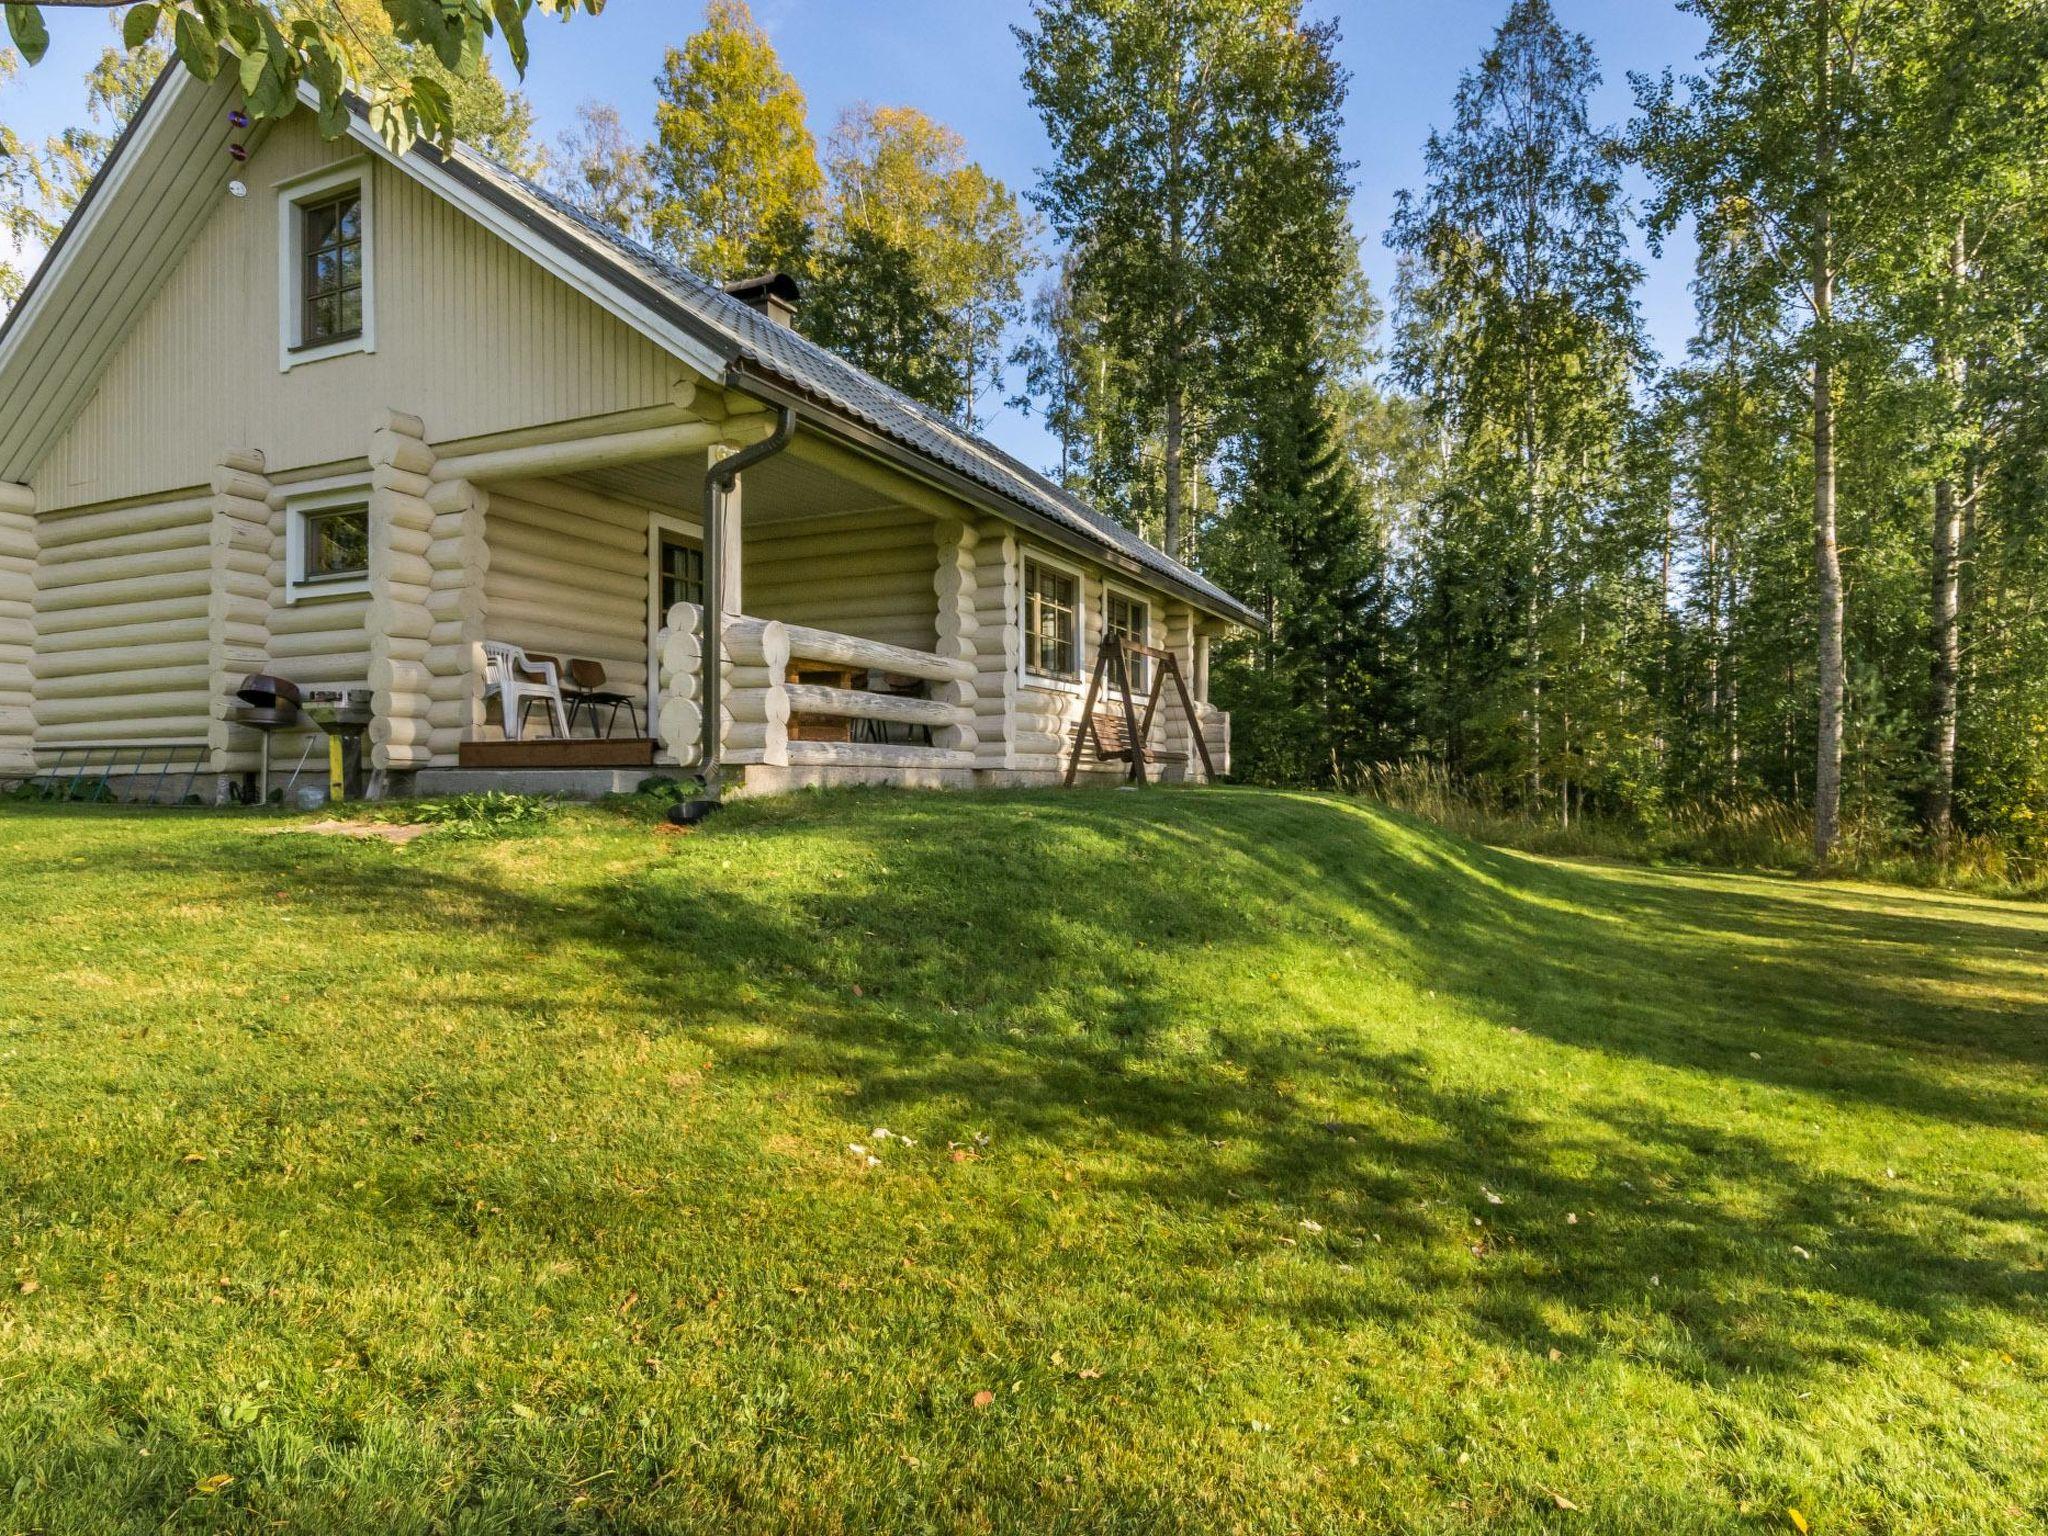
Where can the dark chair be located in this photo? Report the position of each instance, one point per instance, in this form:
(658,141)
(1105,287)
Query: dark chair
(585,689)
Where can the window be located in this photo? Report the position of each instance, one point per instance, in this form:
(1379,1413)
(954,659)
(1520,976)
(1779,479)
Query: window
(1130,619)
(331,269)
(326,272)
(1051,621)
(681,572)
(327,544)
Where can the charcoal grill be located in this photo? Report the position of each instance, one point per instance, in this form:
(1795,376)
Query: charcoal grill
(266,703)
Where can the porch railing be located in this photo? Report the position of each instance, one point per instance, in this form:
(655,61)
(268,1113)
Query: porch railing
(759,698)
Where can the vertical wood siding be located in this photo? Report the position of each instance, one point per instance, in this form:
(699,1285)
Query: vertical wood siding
(470,335)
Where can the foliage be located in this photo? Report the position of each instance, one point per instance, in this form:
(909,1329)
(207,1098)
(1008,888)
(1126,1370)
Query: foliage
(274,46)
(598,167)
(1300,1159)
(917,266)
(488,813)
(1198,187)
(1520,335)
(735,170)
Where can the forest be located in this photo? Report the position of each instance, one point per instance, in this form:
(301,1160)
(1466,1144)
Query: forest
(1777,600)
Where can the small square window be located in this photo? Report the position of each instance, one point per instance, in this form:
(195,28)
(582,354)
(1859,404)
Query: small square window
(1051,621)
(335,544)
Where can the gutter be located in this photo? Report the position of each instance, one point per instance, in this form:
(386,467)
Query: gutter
(719,481)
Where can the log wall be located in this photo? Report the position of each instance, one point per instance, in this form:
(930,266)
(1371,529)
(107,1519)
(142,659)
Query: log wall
(17,632)
(122,627)
(866,574)
(567,575)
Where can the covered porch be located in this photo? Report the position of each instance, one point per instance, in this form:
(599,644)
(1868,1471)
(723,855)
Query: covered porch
(870,623)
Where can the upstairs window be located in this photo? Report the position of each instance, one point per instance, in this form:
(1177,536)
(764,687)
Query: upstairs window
(1130,619)
(331,269)
(1052,611)
(325,269)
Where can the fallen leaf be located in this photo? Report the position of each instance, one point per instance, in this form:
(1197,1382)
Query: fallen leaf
(1557,1354)
(982,1398)
(30,1287)
(1798,1521)
(1561,1501)
(1311,1226)
(520,1410)
(1491,1197)
(193,1157)
(1089,1373)
(1801,1251)
(212,1484)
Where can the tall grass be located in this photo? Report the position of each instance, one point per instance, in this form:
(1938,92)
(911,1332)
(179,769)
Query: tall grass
(1752,834)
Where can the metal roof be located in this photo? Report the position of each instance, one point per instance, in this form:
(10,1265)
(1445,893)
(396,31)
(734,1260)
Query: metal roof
(758,344)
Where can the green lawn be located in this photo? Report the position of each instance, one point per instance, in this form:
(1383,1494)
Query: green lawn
(1278,1165)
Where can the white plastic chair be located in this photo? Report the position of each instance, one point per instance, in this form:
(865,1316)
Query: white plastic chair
(507,670)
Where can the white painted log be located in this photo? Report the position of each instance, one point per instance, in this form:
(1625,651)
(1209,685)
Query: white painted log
(578,455)
(556,498)
(191,705)
(537,530)
(69,530)
(758,643)
(769,739)
(855,704)
(861,754)
(563,573)
(172,560)
(810,644)
(753,705)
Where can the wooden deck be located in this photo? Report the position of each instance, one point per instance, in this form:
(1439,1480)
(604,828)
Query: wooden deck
(552,752)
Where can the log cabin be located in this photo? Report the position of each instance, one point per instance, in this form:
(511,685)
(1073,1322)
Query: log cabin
(280,404)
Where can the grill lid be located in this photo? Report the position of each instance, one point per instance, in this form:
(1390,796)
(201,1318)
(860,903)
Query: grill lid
(262,690)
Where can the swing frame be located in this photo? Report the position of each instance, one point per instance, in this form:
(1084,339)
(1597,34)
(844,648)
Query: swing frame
(1116,650)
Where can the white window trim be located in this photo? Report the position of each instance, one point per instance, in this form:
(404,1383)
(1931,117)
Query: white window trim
(297,508)
(1143,600)
(1082,654)
(657,524)
(291,196)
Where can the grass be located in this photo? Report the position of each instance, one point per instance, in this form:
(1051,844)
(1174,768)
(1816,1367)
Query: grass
(1280,1164)
(1736,834)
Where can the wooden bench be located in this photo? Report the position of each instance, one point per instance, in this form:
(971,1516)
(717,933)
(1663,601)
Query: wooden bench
(1112,734)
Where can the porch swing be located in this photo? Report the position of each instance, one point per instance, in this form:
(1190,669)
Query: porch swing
(1120,736)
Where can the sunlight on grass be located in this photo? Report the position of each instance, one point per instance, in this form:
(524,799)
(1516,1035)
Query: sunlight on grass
(1272,1161)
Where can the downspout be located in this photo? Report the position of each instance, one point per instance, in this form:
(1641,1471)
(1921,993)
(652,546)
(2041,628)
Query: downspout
(719,480)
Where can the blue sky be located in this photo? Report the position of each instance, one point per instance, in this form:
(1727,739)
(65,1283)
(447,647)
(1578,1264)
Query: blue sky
(957,61)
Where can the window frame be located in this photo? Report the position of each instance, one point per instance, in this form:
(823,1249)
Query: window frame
(294,198)
(301,511)
(1141,678)
(1030,675)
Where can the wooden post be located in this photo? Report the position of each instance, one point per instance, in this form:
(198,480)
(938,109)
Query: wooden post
(459,557)
(238,607)
(401,627)
(959,626)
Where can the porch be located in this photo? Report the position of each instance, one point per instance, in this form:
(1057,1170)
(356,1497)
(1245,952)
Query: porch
(871,627)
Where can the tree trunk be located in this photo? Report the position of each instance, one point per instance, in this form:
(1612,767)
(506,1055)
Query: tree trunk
(1175,406)
(1946,571)
(1827,559)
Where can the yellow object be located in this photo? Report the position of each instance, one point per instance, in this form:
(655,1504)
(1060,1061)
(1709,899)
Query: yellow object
(336,785)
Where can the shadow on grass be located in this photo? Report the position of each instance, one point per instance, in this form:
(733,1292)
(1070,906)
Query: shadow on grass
(1035,962)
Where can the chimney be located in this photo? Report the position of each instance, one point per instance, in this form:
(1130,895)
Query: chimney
(775,294)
